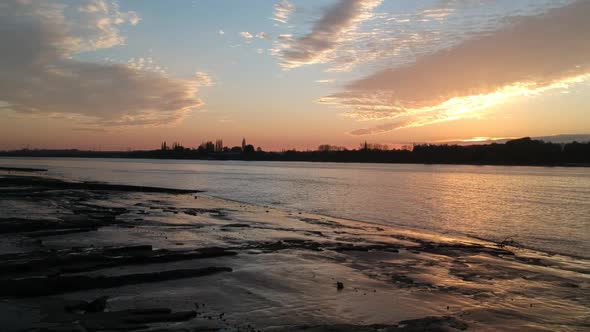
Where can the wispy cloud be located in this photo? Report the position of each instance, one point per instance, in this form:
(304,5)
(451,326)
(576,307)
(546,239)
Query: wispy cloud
(529,56)
(40,77)
(345,38)
(263,35)
(282,11)
(96,25)
(327,33)
(563,138)
(203,79)
(392,38)
(91,129)
(146,64)
(246,35)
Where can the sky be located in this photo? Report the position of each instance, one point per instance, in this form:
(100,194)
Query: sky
(129,74)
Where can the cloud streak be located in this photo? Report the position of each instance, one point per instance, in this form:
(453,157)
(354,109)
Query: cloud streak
(40,77)
(203,79)
(246,35)
(391,35)
(529,56)
(263,35)
(327,33)
(282,11)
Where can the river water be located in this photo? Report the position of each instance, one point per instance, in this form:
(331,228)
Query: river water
(539,207)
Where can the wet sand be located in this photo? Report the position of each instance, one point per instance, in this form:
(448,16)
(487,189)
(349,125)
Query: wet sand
(98,257)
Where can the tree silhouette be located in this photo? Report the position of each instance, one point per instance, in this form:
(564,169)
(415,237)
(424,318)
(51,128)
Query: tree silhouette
(249,148)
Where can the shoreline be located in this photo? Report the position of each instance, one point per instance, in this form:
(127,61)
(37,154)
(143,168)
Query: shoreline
(550,165)
(510,244)
(179,261)
(89,185)
(97,185)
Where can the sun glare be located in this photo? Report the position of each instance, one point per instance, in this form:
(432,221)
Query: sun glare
(475,106)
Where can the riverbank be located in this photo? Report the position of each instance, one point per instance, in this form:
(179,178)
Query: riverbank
(99,257)
(518,152)
(131,156)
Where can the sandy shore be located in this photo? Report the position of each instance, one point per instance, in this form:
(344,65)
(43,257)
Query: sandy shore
(95,257)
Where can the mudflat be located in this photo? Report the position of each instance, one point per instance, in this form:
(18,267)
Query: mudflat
(77,256)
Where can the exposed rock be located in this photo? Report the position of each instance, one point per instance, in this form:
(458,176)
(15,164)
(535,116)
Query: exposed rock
(237,225)
(434,324)
(22,169)
(431,324)
(50,183)
(90,259)
(161,317)
(48,285)
(76,306)
(125,320)
(97,305)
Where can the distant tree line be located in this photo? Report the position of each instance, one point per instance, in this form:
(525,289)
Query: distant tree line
(524,151)
(205,149)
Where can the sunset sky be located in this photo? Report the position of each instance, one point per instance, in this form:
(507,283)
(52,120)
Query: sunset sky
(96,74)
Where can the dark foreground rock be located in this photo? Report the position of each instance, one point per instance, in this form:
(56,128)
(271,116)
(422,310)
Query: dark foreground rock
(430,324)
(76,260)
(55,184)
(22,169)
(123,320)
(48,285)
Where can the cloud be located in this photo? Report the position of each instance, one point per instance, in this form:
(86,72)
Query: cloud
(146,64)
(221,32)
(282,11)
(203,79)
(392,35)
(263,35)
(563,138)
(246,35)
(39,75)
(96,25)
(91,129)
(398,36)
(327,33)
(436,13)
(529,56)
(377,129)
